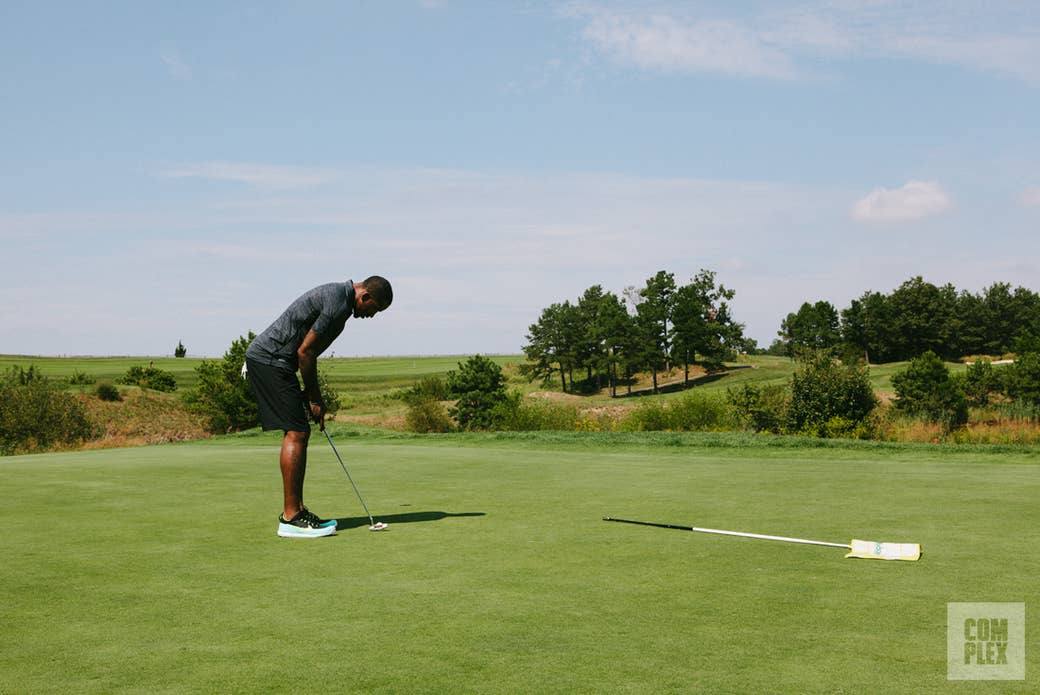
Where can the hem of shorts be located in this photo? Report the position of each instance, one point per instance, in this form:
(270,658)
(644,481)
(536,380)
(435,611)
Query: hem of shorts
(272,428)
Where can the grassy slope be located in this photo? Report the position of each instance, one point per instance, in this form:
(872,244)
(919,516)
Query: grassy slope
(105,368)
(157,569)
(367,375)
(373,376)
(365,378)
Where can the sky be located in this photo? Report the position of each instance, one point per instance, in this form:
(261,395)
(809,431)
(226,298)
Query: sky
(182,171)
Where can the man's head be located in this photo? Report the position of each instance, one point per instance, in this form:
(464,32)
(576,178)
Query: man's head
(372,296)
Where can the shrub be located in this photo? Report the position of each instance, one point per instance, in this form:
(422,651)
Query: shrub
(479,386)
(1022,379)
(925,388)
(692,413)
(825,399)
(329,395)
(78,379)
(762,409)
(18,376)
(980,382)
(700,413)
(829,399)
(108,392)
(647,416)
(34,416)
(427,415)
(149,378)
(516,413)
(221,394)
(431,388)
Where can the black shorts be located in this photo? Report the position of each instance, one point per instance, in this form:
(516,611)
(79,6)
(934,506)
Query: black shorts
(279,398)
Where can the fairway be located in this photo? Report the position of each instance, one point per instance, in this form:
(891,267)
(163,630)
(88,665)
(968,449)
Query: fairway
(157,569)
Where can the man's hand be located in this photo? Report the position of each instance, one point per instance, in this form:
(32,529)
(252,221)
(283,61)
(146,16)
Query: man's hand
(318,414)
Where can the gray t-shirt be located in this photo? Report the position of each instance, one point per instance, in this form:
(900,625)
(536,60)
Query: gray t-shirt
(324,310)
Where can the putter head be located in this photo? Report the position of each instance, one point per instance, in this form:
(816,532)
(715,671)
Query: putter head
(379,526)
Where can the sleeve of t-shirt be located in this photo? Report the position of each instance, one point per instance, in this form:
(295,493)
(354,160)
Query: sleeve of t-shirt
(327,315)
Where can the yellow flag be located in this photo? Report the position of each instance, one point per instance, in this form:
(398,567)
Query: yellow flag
(872,550)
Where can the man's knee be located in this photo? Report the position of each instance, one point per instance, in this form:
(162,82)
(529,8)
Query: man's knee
(297,437)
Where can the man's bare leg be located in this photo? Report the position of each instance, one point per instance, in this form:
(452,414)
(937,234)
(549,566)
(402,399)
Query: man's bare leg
(294,466)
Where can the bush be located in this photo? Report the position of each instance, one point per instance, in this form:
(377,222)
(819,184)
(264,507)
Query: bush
(700,413)
(479,386)
(518,414)
(925,388)
(425,412)
(1022,379)
(762,409)
(34,416)
(980,382)
(17,376)
(830,399)
(429,388)
(427,415)
(329,395)
(149,378)
(78,379)
(221,394)
(692,413)
(648,416)
(108,392)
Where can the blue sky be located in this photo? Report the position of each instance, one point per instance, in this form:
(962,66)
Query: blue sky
(181,171)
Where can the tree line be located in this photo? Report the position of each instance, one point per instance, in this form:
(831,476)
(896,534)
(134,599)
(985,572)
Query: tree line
(916,318)
(607,339)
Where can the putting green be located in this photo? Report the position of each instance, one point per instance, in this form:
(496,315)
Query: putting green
(158,570)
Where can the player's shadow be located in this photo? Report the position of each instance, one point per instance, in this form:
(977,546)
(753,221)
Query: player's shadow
(392,519)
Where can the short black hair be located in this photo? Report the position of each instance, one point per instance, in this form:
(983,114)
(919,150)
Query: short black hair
(380,289)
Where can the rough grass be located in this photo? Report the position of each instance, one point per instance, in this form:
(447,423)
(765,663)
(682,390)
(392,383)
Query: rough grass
(142,417)
(497,574)
(369,389)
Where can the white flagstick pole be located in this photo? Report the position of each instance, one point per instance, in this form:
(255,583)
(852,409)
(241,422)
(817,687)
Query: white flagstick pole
(720,532)
(806,541)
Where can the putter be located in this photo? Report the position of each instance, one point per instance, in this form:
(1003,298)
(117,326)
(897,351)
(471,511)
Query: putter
(375,526)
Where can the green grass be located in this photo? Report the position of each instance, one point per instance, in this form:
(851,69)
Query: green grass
(361,377)
(157,569)
(881,374)
(105,368)
(368,380)
(373,376)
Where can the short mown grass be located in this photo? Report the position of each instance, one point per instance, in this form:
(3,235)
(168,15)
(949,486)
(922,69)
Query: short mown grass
(157,569)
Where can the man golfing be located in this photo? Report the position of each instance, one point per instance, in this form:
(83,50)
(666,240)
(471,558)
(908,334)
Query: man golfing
(293,342)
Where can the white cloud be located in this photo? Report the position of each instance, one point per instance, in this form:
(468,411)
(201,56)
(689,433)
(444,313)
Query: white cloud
(662,42)
(783,41)
(916,200)
(1031,197)
(1013,56)
(259,175)
(175,64)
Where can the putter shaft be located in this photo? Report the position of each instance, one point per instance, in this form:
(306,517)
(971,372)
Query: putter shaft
(353,484)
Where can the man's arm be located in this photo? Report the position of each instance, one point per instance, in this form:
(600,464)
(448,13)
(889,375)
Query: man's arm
(312,346)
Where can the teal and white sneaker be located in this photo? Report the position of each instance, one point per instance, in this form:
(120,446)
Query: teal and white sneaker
(305,524)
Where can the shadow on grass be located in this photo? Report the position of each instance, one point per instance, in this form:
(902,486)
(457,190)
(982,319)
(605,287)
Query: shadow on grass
(675,386)
(391,519)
